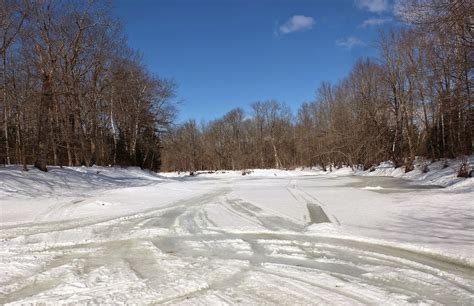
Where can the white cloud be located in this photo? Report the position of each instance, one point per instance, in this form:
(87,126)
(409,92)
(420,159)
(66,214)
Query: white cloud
(407,12)
(349,42)
(374,22)
(297,23)
(374,6)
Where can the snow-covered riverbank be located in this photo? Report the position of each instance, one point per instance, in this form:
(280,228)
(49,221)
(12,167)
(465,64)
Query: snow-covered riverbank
(441,173)
(104,235)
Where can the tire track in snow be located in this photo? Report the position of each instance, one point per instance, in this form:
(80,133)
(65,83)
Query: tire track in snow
(187,246)
(418,262)
(254,214)
(313,205)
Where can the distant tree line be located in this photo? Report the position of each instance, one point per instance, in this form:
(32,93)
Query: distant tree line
(415,100)
(72,91)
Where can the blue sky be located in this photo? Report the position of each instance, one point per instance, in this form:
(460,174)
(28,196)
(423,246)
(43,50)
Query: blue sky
(229,53)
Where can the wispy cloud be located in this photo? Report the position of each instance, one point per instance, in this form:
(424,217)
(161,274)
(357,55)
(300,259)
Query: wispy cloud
(404,11)
(374,6)
(349,42)
(296,23)
(374,22)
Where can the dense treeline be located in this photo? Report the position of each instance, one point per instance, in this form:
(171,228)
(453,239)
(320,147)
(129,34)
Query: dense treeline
(73,92)
(415,100)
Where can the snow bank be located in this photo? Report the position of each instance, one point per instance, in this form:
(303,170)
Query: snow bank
(85,192)
(441,173)
(58,181)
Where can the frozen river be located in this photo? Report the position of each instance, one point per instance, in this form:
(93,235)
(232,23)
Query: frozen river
(231,239)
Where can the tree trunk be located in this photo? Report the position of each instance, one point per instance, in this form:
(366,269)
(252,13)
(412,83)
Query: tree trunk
(5,108)
(275,153)
(42,143)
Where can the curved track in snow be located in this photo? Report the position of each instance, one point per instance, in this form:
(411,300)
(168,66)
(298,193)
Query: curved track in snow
(192,252)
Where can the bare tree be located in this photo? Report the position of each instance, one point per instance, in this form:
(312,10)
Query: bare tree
(11,22)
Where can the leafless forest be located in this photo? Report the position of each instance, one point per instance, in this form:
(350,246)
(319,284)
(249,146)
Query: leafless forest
(74,93)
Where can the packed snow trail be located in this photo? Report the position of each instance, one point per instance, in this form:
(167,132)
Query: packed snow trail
(231,240)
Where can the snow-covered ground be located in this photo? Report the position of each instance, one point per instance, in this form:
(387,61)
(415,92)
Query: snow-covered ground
(104,235)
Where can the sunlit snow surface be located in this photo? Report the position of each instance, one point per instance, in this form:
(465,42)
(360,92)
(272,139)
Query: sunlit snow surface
(103,235)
